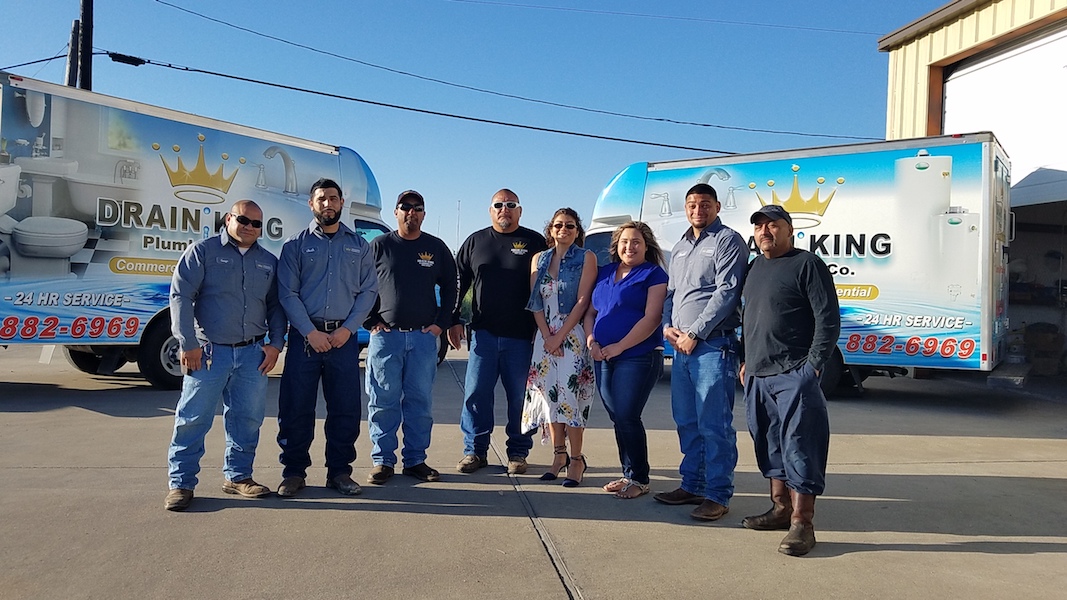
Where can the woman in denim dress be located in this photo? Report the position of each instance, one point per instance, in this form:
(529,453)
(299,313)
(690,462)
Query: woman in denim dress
(560,387)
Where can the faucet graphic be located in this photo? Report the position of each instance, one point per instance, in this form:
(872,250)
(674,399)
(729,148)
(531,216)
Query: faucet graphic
(290,167)
(714,172)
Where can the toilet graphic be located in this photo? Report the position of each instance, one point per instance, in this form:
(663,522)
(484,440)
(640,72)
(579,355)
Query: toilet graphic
(35,246)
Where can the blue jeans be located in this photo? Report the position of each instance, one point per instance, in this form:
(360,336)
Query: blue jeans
(790,427)
(338,370)
(401,368)
(702,403)
(234,378)
(493,357)
(624,385)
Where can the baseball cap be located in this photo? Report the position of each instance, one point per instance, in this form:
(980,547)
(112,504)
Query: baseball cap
(410,195)
(773,212)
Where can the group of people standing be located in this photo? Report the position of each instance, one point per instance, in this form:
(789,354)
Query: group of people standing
(545,322)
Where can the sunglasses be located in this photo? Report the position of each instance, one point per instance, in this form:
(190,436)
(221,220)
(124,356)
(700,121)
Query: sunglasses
(243,220)
(499,205)
(562,225)
(404,206)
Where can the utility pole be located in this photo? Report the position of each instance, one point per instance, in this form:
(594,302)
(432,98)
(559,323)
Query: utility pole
(85,53)
(72,54)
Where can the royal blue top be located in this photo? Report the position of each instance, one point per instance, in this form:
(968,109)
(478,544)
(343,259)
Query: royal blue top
(570,275)
(621,304)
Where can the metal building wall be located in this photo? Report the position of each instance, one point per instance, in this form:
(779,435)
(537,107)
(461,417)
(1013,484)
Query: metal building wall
(920,51)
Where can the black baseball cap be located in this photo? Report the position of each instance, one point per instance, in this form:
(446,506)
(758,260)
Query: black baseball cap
(410,195)
(772,212)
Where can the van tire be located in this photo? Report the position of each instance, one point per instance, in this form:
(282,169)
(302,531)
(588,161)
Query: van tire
(831,374)
(159,356)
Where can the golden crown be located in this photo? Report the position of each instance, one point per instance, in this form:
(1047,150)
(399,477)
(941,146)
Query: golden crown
(199,176)
(796,203)
(518,245)
(425,256)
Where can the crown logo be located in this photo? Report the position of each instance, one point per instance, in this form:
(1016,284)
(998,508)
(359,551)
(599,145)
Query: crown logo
(425,256)
(198,184)
(519,245)
(806,212)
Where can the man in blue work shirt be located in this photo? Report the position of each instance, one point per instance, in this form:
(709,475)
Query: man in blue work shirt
(223,305)
(327,286)
(700,315)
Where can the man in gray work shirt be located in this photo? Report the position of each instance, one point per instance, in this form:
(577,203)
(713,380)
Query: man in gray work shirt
(700,315)
(327,285)
(223,304)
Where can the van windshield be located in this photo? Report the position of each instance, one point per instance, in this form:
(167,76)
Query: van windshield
(369,229)
(599,243)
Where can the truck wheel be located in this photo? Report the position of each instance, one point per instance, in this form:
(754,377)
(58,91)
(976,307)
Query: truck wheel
(442,346)
(831,374)
(89,362)
(159,358)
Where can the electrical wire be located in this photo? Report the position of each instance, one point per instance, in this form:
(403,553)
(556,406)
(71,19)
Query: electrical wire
(133,60)
(508,95)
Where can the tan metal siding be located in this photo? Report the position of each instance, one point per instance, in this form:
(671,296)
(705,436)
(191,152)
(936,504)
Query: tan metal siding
(912,63)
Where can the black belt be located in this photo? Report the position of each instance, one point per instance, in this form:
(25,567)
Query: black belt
(327,326)
(408,329)
(720,333)
(255,340)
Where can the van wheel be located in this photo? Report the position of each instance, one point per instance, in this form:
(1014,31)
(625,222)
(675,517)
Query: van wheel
(831,374)
(442,346)
(90,362)
(159,356)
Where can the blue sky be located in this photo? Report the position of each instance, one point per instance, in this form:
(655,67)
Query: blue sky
(788,66)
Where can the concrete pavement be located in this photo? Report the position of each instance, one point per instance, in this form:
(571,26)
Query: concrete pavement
(936,488)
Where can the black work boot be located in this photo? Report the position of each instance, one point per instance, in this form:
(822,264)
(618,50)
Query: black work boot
(801,537)
(779,514)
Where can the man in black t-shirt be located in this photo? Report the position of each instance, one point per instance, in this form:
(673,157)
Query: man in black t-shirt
(404,328)
(496,261)
(790,320)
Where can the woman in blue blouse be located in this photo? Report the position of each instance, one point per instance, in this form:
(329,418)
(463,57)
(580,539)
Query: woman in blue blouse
(626,342)
(559,390)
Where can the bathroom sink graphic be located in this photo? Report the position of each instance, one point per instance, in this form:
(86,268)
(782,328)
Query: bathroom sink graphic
(47,165)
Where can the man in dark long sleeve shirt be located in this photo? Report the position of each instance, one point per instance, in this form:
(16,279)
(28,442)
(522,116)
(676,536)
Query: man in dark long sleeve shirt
(223,304)
(404,329)
(791,322)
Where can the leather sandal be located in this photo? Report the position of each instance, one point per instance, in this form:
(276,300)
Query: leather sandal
(616,485)
(553,474)
(632,490)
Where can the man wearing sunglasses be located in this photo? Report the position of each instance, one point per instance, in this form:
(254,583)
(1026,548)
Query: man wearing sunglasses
(404,327)
(327,286)
(224,308)
(496,262)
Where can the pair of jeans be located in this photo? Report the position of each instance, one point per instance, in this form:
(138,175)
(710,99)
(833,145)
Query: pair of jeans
(401,367)
(790,427)
(338,370)
(702,403)
(625,384)
(494,357)
(234,378)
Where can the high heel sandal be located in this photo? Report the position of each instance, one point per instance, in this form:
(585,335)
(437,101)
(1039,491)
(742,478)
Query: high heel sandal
(570,481)
(551,476)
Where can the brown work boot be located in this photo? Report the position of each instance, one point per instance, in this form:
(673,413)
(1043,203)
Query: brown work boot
(471,463)
(178,499)
(290,486)
(380,474)
(246,487)
(517,465)
(709,511)
(344,484)
(678,496)
(801,537)
(779,514)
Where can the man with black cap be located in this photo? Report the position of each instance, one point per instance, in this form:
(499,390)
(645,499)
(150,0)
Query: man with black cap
(791,322)
(404,328)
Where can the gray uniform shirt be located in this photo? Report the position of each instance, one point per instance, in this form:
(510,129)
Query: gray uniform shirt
(326,278)
(221,296)
(705,276)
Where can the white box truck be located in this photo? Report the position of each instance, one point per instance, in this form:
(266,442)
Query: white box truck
(915,233)
(99,196)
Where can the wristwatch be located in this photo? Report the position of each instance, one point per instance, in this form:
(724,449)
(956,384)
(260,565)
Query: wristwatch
(691,335)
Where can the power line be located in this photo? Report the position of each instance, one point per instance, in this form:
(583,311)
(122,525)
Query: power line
(507,95)
(133,60)
(671,18)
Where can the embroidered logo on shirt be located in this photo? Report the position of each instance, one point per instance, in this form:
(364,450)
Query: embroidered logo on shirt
(222,260)
(264,267)
(519,248)
(352,249)
(425,259)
